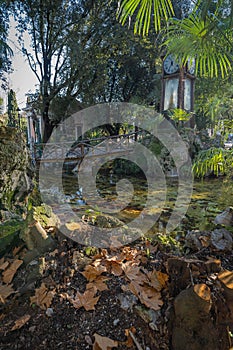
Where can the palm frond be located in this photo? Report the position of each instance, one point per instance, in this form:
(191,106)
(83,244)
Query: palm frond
(144,11)
(202,40)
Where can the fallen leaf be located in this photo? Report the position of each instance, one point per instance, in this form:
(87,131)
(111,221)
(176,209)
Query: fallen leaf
(43,297)
(157,279)
(16,250)
(150,298)
(21,322)
(92,272)
(116,268)
(104,343)
(3,265)
(114,265)
(86,300)
(132,272)
(9,273)
(129,342)
(146,294)
(226,277)
(5,291)
(98,283)
(133,287)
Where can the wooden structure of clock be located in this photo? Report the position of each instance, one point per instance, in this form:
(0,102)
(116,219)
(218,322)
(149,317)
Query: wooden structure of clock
(177,85)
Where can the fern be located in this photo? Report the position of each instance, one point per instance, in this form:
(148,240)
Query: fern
(217,161)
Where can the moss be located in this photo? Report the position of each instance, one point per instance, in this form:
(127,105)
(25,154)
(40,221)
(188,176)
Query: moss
(9,232)
(45,215)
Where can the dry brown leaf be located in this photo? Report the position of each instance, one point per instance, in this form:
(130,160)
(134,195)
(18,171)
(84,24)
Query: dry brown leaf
(114,265)
(98,283)
(150,298)
(9,273)
(98,262)
(4,265)
(226,277)
(157,279)
(43,297)
(16,250)
(133,273)
(5,291)
(116,268)
(104,343)
(86,300)
(129,342)
(21,322)
(133,287)
(146,294)
(92,272)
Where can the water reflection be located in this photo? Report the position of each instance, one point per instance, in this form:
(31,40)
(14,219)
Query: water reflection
(209,198)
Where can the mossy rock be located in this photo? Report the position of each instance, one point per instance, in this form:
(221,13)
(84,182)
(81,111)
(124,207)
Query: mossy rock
(9,232)
(107,221)
(45,216)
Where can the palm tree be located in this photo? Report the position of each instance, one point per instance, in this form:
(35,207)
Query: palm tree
(205,34)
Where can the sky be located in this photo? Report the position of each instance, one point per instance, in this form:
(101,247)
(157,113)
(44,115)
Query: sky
(22,80)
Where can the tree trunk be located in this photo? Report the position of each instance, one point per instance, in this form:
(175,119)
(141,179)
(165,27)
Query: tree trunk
(48,125)
(201,317)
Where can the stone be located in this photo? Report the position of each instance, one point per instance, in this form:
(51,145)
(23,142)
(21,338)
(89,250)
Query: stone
(107,221)
(225,218)
(15,170)
(221,239)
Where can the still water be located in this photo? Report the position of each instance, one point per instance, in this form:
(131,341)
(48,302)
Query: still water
(209,198)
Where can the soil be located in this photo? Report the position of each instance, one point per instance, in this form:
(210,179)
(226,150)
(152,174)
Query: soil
(63,326)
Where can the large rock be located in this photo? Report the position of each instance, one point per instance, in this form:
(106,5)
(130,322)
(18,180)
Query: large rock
(225,218)
(15,170)
(15,184)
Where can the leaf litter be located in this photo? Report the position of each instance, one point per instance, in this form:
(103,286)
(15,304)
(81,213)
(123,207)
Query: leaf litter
(97,286)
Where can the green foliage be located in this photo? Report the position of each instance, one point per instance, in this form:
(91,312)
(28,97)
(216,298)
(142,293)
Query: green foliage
(216,161)
(146,9)
(83,54)
(216,111)
(12,109)
(5,50)
(179,115)
(204,35)
(201,39)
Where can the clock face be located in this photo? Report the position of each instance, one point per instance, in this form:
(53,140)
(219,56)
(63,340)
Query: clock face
(170,66)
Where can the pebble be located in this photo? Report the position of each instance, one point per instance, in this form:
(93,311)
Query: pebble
(49,312)
(115,322)
(88,339)
(33,262)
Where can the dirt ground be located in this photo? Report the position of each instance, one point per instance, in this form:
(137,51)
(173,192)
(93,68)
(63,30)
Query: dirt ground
(72,297)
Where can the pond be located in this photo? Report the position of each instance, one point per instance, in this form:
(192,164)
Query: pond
(209,197)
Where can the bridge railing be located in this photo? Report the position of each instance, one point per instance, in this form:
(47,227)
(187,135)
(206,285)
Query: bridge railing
(78,149)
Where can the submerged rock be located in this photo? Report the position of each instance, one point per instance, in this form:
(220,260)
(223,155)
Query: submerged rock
(225,218)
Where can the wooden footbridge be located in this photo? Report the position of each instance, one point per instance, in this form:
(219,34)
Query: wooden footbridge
(74,152)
